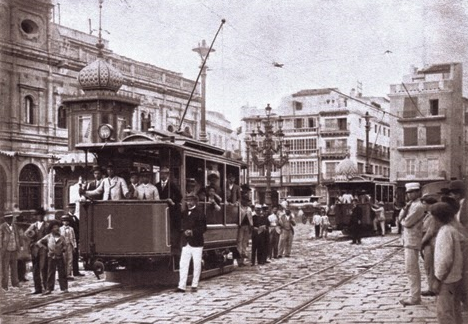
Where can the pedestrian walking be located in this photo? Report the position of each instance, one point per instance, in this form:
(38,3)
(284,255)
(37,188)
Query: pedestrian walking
(10,247)
(379,219)
(317,221)
(35,232)
(244,232)
(325,224)
(300,216)
(70,245)
(193,226)
(275,231)
(24,254)
(448,265)
(287,223)
(411,218)
(56,247)
(355,222)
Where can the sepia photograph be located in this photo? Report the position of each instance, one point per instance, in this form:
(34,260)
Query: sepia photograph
(233,161)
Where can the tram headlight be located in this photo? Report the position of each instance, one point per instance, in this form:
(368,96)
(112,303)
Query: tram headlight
(105,131)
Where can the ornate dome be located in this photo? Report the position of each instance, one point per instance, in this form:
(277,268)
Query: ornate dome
(100,75)
(346,168)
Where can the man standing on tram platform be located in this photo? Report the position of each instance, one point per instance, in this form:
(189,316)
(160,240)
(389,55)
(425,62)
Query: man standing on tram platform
(244,232)
(355,223)
(411,218)
(169,191)
(111,188)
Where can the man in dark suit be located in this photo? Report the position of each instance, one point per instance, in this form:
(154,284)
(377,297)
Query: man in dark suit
(75,224)
(169,191)
(93,185)
(193,226)
(355,223)
(134,183)
(233,191)
(36,232)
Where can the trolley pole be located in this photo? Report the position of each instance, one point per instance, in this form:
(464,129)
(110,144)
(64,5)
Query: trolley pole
(368,166)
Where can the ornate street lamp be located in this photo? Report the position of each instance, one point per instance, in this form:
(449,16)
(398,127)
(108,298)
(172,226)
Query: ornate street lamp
(272,150)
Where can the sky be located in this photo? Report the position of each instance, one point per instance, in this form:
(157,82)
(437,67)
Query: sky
(322,43)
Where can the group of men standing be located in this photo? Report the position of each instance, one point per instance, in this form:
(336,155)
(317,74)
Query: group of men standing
(438,230)
(271,231)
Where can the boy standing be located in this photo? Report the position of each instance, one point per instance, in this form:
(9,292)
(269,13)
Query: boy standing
(10,246)
(70,245)
(56,247)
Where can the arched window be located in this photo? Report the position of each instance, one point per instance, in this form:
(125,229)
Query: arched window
(29,110)
(30,182)
(62,117)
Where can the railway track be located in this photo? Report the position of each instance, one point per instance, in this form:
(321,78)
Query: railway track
(300,283)
(81,303)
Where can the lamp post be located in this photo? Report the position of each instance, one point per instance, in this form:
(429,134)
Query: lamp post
(270,152)
(368,166)
(203,51)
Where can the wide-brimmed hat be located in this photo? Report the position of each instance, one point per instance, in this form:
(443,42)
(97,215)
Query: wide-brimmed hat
(110,165)
(71,205)
(52,223)
(164,170)
(245,187)
(429,199)
(412,186)
(213,174)
(444,191)
(191,181)
(65,218)
(8,214)
(457,185)
(451,201)
(443,211)
(96,168)
(258,206)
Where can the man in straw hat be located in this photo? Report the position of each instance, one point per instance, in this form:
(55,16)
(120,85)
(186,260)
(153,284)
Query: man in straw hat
(193,226)
(411,218)
(35,232)
(10,246)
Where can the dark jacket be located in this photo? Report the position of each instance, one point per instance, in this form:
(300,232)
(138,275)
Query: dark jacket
(5,233)
(233,195)
(356,216)
(170,191)
(195,221)
(75,224)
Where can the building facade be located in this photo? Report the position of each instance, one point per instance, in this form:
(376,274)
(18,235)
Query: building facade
(322,128)
(429,134)
(39,65)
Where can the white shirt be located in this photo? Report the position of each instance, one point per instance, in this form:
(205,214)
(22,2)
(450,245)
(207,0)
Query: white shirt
(457,215)
(39,224)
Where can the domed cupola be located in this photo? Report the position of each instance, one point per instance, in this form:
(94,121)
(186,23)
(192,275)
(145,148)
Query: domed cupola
(346,169)
(100,75)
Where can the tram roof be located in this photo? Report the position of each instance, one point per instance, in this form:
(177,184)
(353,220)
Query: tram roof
(148,142)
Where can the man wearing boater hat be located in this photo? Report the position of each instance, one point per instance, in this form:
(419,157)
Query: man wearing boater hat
(411,218)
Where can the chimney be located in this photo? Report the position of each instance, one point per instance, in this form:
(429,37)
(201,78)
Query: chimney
(352,93)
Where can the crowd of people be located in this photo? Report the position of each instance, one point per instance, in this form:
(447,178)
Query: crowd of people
(437,230)
(51,245)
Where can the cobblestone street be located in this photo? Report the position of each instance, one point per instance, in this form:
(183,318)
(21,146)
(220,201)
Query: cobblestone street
(325,281)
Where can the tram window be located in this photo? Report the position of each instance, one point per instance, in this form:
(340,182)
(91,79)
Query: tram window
(385,193)
(194,174)
(215,177)
(378,193)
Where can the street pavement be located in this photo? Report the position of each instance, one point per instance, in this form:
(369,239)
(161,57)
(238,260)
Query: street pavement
(325,281)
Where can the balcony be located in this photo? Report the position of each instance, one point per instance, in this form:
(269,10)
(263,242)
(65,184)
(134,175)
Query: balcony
(421,146)
(338,152)
(301,130)
(336,130)
(423,86)
(374,153)
(413,115)
(421,175)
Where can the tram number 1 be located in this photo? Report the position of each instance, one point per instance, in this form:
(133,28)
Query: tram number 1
(109,222)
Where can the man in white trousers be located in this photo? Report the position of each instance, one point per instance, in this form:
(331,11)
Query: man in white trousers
(193,225)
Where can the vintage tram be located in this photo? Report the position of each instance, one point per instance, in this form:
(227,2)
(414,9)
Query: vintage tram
(129,236)
(368,190)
